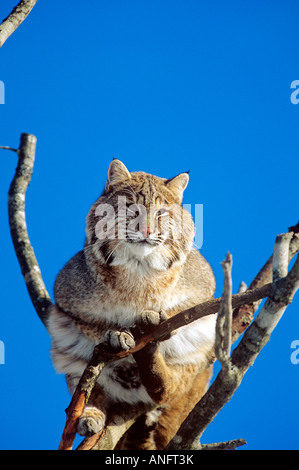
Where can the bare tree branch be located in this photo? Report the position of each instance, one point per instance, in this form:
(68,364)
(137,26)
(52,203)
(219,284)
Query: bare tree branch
(228,445)
(224,318)
(280,258)
(15,18)
(81,395)
(18,228)
(242,287)
(243,315)
(244,355)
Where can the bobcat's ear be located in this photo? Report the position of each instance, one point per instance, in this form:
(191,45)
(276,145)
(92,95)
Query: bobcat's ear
(178,184)
(117,172)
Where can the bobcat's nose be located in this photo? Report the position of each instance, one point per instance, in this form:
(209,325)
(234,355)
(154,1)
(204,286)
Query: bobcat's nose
(146,231)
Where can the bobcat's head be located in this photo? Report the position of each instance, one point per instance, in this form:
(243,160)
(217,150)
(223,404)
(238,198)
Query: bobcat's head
(139,219)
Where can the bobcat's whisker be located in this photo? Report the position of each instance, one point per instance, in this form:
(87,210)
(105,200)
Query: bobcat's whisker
(112,251)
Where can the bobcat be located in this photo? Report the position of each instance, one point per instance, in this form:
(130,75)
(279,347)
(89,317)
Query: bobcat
(127,279)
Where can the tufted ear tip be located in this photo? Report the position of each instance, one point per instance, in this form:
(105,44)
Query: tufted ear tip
(117,172)
(179,183)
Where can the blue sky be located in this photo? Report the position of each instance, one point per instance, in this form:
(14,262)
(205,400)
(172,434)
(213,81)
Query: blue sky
(165,86)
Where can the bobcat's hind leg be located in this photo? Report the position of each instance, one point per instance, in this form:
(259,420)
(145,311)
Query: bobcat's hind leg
(92,421)
(178,408)
(140,436)
(155,374)
(93,418)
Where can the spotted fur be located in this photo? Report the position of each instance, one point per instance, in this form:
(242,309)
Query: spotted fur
(106,287)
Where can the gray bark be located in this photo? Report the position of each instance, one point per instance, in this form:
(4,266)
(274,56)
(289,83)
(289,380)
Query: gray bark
(15,18)
(18,227)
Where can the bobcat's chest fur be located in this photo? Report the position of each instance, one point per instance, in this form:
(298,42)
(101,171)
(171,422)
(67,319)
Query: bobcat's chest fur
(132,291)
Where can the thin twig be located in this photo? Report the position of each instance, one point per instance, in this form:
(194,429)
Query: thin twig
(5,147)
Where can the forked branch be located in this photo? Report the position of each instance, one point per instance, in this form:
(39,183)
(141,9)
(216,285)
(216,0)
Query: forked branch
(244,355)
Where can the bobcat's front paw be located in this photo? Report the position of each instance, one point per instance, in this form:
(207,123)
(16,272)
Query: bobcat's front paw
(151,318)
(119,340)
(92,421)
(147,322)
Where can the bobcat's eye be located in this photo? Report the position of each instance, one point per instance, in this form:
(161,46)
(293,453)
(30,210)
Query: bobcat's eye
(133,209)
(161,212)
